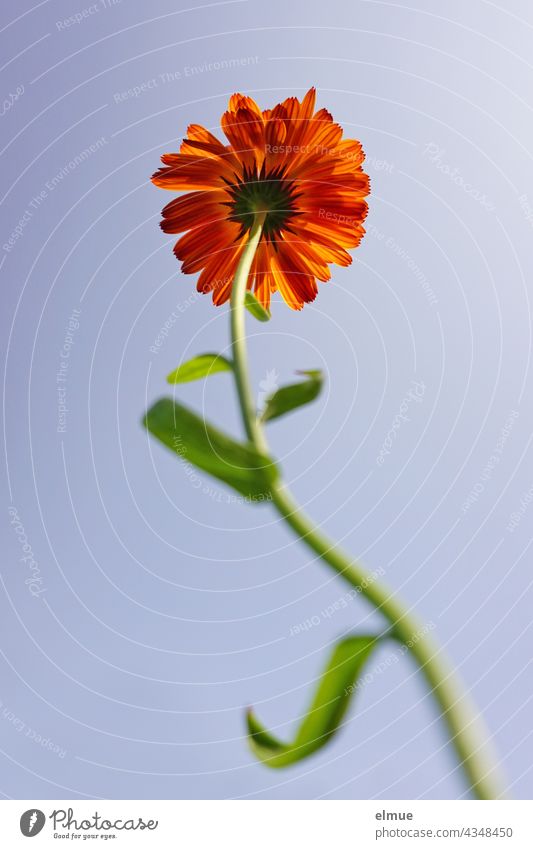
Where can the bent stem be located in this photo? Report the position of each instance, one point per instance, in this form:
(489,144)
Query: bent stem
(462,722)
(252,426)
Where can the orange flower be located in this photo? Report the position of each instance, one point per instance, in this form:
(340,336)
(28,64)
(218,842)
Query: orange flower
(289,161)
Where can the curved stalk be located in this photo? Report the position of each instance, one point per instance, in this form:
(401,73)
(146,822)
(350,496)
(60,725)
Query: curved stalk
(463,725)
(252,426)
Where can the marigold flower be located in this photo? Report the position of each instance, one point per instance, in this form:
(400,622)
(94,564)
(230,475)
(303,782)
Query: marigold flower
(290,162)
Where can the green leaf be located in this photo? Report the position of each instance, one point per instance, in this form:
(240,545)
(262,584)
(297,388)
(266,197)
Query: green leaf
(325,714)
(296,395)
(256,307)
(201,366)
(198,442)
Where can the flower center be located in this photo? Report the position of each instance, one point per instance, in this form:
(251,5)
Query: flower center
(262,192)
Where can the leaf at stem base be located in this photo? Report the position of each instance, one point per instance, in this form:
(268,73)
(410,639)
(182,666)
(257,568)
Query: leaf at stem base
(255,307)
(295,395)
(201,444)
(201,366)
(330,703)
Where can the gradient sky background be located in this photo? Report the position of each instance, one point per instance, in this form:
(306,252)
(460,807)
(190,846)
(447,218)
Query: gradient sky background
(166,608)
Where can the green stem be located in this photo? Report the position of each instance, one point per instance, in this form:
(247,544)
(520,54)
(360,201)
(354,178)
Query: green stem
(460,717)
(253,428)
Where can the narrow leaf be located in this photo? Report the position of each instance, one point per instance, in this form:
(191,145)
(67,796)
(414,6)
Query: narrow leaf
(255,307)
(291,397)
(327,709)
(198,442)
(201,366)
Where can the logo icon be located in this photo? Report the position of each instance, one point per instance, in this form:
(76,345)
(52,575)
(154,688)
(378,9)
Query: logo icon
(32,822)
(267,387)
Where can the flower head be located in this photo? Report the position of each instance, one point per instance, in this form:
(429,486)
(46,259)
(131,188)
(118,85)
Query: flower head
(289,162)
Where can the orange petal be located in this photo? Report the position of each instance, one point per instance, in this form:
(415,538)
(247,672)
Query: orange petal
(275,133)
(337,255)
(262,276)
(195,209)
(198,133)
(245,130)
(197,246)
(305,259)
(223,287)
(243,101)
(220,268)
(349,152)
(295,288)
(191,172)
(305,117)
(289,111)
(308,104)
